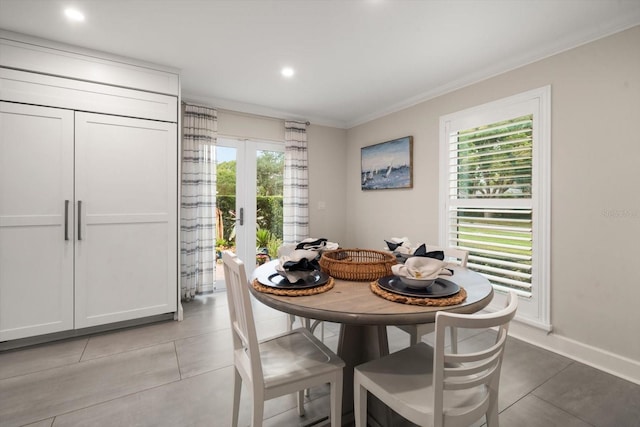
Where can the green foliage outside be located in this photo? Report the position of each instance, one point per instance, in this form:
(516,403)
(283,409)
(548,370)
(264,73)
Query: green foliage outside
(270,179)
(495,160)
(226,179)
(270,176)
(270,214)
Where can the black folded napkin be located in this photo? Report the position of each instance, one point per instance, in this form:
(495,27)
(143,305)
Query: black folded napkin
(313,244)
(422,251)
(393,246)
(302,265)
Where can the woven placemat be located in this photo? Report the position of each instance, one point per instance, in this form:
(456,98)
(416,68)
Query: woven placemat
(292,292)
(433,302)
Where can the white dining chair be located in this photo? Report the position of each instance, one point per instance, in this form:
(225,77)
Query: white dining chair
(286,363)
(416,332)
(429,387)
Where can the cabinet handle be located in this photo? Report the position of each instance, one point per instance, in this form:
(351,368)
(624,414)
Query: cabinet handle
(79,219)
(66,220)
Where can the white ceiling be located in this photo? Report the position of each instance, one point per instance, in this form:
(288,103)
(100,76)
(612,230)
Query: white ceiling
(354,60)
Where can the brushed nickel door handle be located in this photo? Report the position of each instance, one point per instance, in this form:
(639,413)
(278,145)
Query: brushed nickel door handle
(79,219)
(66,220)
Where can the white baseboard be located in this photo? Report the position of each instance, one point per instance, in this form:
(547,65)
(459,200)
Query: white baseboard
(598,358)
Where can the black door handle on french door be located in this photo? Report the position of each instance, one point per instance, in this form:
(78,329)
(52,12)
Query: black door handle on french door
(241,216)
(79,219)
(66,220)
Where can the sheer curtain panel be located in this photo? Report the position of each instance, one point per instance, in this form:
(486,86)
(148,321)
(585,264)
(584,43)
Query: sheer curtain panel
(296,183)
(197,223)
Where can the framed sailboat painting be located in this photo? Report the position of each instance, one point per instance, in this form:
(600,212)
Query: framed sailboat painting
(388,165)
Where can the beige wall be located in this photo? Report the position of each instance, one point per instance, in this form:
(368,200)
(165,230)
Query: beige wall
(327,182)
(247,126)
(595,281)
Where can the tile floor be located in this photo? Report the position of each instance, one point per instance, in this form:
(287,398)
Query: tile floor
(179,374)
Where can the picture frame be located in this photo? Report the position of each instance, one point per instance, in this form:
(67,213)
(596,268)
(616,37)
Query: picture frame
(387,165)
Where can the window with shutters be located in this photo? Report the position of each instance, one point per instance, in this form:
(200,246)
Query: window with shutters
(495,193)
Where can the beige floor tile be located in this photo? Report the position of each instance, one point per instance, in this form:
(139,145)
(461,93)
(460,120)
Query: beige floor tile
(44,394)
(533,412)
(216,318)
(524,368)
(599,398)
(316,413)
(44,423)
(204,353)
(205,303)
(203,400)
(37,358)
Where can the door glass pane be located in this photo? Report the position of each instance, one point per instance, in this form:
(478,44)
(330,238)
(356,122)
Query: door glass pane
(249,183)
(226,164)
(269,192)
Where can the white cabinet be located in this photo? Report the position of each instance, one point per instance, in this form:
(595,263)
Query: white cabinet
(88,188)
(87,219)
(36,237)
(126,205)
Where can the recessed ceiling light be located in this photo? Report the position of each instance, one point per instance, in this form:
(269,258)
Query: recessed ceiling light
(287,72)
(74,15)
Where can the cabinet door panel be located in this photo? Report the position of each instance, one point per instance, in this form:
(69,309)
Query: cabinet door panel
(36,262)
(123,270)
(126,172)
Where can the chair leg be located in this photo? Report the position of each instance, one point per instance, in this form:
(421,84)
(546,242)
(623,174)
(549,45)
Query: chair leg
(492,409)
(336,401)
(290,320)
(414,338)
(306,322)
(257,412)
(492,413)
(359,403)
(301,402)
(315,325)
(237,388)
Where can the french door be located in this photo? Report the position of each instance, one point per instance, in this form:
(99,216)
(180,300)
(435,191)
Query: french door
(248,198)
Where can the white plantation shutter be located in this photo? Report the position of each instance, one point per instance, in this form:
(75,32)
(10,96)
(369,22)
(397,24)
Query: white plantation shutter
(499,242)
(492,164)
(492,161)
(495,197)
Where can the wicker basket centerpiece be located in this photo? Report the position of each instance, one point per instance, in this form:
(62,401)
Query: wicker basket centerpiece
(357,264)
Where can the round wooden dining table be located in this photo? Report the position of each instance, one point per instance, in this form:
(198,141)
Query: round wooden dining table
(363,316)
